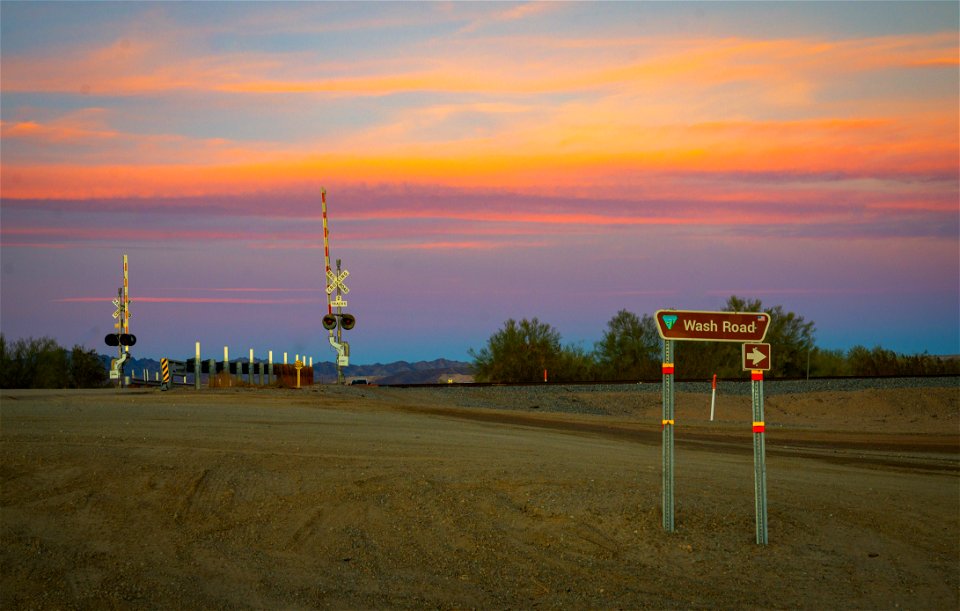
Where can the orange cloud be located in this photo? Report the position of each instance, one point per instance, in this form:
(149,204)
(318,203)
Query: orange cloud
(83,125)
(133,66)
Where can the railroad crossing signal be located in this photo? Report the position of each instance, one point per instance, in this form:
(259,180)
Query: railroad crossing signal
(121,309)
(334,282)
(120,339)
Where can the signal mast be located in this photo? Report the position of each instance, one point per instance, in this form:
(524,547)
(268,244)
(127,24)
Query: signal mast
(122,339)
(335,324)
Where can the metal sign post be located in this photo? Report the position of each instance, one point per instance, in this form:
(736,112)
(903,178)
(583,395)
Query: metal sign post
(759,456)
(668,423)
(748,328)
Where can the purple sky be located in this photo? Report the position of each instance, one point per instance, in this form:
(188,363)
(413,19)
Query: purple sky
(482,161)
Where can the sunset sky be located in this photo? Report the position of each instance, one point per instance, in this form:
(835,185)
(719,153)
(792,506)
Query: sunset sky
(482,161)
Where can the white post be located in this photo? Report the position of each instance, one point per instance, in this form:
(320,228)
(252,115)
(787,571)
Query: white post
(311,361)
(250,372)
(284,358)
(197,368)
(226,365)
(713,396)
(270,367)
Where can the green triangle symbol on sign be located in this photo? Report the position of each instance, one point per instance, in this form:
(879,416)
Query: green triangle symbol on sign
(670,320)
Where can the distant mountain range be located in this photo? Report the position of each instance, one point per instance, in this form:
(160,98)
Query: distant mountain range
(399,372)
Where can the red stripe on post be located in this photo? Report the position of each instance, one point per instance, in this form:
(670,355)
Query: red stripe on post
(756,375)
(668,368)
(758,427)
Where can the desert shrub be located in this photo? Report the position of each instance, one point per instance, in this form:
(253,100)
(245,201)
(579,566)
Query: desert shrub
(520,351)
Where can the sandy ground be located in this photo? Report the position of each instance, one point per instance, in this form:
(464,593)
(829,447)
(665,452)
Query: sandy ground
(374,497)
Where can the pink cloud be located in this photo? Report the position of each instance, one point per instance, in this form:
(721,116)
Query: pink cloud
(226,300)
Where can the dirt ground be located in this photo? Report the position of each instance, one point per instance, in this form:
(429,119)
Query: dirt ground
(383,498)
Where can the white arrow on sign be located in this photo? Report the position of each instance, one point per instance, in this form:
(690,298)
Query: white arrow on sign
(116,314)
(756,357)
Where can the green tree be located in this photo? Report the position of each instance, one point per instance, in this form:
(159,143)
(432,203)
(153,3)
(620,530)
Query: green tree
(519,352)
(34,363)
(574,365)
(882,362)
(789,335)
(7,364)
(86,369)
(828,363)
(629,349)
(876,362)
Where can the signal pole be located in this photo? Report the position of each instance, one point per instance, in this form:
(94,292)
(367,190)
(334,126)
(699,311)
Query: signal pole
(340,321)
(122,339)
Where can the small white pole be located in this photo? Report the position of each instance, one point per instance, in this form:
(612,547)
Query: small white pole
(250,371)
(270,367)
(226,365)
(713,396)
(284,358)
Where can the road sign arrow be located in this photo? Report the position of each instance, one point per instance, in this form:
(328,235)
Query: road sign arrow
(756,357)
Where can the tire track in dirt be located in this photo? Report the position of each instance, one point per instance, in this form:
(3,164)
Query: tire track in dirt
(910,452)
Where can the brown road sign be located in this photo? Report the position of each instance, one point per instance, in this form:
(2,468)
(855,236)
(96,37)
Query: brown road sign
(756,356)
(694,325)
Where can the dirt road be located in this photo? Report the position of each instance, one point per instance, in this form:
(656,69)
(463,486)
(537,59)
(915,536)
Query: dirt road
(373,498)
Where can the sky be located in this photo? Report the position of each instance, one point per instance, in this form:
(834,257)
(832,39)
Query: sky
(482,161)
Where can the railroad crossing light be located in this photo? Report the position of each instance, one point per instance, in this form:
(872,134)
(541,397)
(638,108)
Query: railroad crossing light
(127,339)
(112,339)
(347,321)
(329,322)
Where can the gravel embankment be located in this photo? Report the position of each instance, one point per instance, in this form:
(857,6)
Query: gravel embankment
(597,398)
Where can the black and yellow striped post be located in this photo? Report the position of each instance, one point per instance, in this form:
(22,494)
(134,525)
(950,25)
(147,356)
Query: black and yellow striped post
(165,374)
